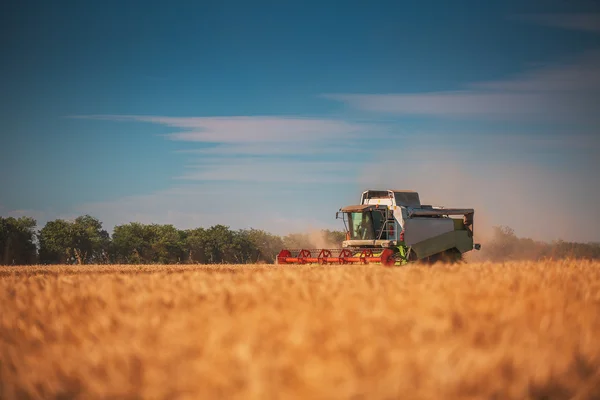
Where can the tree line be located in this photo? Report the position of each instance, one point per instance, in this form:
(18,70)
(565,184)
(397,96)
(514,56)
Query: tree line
(84,241)
(505,245)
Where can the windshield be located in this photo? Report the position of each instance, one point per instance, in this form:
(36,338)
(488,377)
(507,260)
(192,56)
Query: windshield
(366,225)
(361,226)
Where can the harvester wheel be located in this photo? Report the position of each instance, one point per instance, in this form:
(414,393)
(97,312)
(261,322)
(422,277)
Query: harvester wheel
(388,257)
(450,256)
(391,257)
(412,256)
(454,256)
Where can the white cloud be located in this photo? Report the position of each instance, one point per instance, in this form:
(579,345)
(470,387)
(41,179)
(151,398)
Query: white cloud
(279,210)
(501,141)
(245,170)
(236,141)
(568,93)
(542,185)
(581,75)
(268,172)
(247,175)
(447,103)
(295,148)
(589,22)
(240,129)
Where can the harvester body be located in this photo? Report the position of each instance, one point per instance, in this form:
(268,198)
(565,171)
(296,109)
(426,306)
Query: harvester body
(392,227)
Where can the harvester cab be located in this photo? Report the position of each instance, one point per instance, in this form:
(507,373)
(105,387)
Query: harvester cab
(392,227)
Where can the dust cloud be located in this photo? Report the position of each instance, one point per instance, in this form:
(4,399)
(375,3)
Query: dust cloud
(319,240)
(536,202)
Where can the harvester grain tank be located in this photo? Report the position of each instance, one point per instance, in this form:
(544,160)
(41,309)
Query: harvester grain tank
(392,227)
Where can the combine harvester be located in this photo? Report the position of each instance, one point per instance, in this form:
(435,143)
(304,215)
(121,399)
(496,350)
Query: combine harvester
(392,227)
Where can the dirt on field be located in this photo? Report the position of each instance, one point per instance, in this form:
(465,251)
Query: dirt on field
(496,331)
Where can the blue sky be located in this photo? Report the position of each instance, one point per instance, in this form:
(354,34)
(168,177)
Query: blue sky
(274,114)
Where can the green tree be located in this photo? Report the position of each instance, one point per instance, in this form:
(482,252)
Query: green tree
(91,242)
(563,249)
(129,244)
(218,244)
(505,246)
(17,240)
(56,242)
(82,241)
(195,245)
(168,244)
(241,250)
(138,243)
(266,245)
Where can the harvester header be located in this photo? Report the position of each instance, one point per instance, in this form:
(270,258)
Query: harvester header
(392,227)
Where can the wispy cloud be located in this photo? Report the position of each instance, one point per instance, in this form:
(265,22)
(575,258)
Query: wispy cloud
(262,172)
(239,205)
(272,206)
(245,170)
(259,171)
(516,178)
(278,149)
(589,22)
(564,93)
(260,148)
(242,129)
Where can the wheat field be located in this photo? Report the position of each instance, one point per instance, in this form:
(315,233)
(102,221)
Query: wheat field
(522,330)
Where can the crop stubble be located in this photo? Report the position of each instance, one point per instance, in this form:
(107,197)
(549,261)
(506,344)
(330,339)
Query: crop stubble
(515,330)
